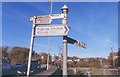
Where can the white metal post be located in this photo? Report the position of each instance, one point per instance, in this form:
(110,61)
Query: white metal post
(31,45)
(64,58)
(64,21)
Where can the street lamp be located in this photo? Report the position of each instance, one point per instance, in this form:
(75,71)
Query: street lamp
(112,57)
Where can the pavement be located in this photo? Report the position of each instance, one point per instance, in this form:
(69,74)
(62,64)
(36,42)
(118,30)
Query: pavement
(48,72)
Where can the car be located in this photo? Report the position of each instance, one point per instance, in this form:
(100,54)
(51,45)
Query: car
(36,64)
(6,67)
(6,64)
(22,70)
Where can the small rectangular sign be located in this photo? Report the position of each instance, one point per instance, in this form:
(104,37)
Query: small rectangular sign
(43,19)
(56,16)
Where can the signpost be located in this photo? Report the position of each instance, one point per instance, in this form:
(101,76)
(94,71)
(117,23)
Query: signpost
(52,30)
(41,27)
(65,45)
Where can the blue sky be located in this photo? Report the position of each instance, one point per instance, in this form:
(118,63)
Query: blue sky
(94,23)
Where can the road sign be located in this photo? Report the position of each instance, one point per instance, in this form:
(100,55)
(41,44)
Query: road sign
(75,42)
(52,30)
(45,19)
(56,16)
(82,44)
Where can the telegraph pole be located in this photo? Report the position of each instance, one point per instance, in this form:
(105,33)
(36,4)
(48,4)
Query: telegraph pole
(31,44)
(64,21)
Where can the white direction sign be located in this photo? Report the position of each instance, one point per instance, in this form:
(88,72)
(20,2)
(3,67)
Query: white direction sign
(51,30)
(56,16)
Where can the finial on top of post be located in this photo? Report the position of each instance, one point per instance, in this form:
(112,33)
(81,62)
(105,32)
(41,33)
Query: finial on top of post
(65,9)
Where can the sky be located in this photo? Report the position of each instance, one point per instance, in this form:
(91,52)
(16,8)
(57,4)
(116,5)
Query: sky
(95,23)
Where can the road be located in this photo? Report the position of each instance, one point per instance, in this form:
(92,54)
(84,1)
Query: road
(48,72)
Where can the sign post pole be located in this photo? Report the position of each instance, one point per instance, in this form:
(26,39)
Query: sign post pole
(64,21)
(31,46)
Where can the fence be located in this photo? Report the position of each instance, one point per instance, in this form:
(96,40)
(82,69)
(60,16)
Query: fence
(83,71)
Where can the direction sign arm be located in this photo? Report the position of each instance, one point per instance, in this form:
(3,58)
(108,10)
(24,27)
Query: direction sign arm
(69,40)
(75,42)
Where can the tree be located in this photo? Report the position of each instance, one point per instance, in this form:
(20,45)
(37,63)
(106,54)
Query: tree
(18,55)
